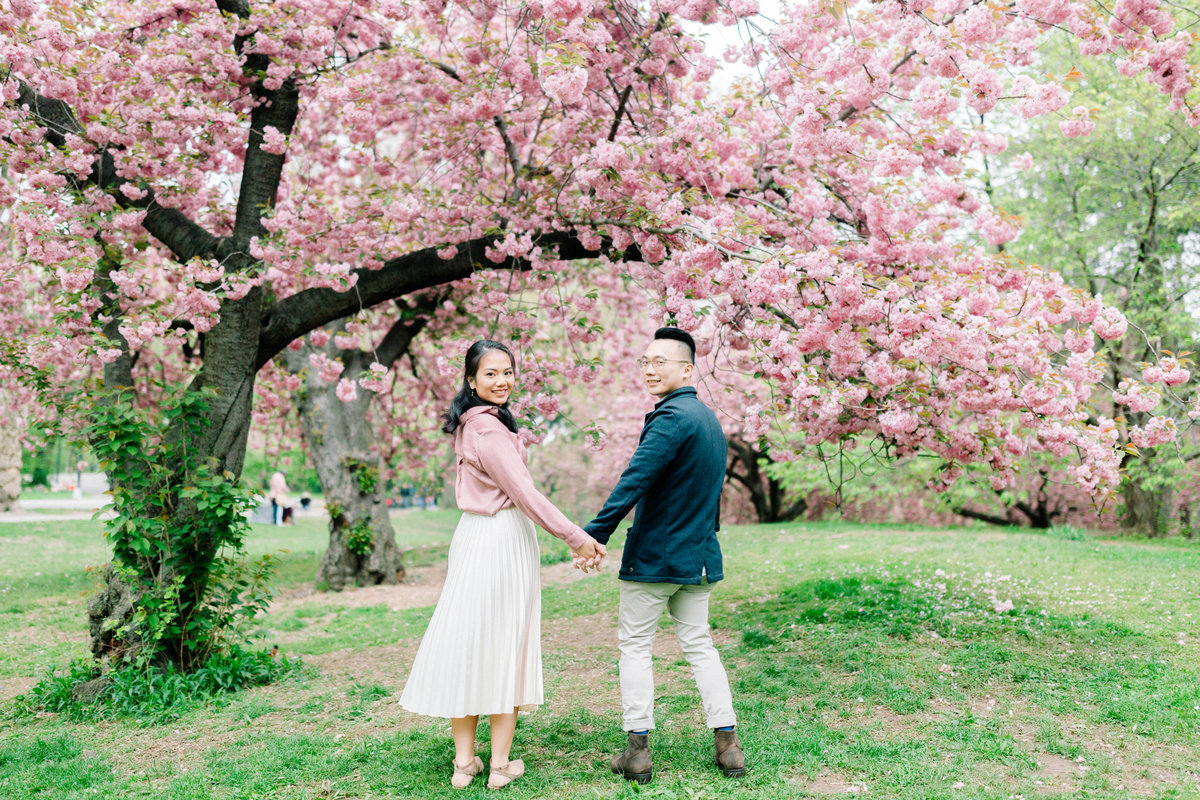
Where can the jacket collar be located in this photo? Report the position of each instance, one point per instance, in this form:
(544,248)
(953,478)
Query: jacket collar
(680,392)
(475,411)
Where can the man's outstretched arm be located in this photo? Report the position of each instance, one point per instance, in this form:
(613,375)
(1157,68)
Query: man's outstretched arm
(655,451)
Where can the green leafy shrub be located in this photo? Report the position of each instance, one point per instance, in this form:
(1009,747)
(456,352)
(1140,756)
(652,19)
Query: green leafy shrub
(360,537)
(153,694)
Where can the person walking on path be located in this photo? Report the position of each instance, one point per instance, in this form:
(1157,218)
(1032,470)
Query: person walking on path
(671,556)
(279,498)
(482,653)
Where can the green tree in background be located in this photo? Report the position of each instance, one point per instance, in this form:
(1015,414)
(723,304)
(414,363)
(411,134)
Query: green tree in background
(1116,213)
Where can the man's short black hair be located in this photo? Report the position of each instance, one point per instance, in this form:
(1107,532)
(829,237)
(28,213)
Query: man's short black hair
(679,335)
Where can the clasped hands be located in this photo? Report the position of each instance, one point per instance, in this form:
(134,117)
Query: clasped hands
(589,555)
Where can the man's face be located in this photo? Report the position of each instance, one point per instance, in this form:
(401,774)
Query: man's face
(667,367)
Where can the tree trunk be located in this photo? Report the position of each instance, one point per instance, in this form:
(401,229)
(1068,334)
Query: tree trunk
(766,494)
(229,368)
(1147,511)
(362,545)
(10,456)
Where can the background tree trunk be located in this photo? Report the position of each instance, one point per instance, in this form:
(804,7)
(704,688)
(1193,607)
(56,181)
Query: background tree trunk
(1147,511)
(344,452)
(10,457)
(770,499)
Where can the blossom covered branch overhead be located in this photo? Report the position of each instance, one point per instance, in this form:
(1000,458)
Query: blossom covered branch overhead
(197,176)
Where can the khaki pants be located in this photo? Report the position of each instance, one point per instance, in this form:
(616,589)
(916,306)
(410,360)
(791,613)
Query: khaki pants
(641,606)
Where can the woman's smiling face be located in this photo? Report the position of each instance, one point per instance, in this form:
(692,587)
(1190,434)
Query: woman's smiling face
(495,378)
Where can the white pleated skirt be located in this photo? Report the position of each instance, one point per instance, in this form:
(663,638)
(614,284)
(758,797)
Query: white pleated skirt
(482,651)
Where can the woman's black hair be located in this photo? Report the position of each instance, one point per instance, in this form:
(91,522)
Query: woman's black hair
(466,397)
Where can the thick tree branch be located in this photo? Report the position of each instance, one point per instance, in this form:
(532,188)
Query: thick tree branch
(262,171)
(295,316)
(798,507)
(179,234)
(616,123)
(983,517)
(239,8)
(413,320)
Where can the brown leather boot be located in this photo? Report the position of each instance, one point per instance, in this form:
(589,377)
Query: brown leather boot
(729,754)
(634,764)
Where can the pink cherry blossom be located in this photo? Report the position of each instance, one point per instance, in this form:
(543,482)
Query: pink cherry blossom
(346,390)
(1080,125)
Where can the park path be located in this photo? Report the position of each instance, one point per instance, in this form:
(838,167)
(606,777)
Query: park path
(55,508)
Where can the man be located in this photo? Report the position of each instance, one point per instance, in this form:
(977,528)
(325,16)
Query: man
(671,556)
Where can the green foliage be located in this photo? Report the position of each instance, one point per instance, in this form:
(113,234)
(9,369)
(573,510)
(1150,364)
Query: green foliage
(151,694)
(360,537)
(1068,532)
(177,532)
(1114,212)
(366,476)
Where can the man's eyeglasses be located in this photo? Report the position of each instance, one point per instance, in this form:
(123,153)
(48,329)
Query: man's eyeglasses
(658,363)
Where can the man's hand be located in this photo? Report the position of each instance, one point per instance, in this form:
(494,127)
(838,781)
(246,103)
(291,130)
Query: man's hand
(589,555)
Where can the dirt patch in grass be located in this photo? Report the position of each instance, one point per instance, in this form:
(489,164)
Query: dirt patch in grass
(828,783)
(1057,774)
(45,635)
(14,686)
(421,587)
(167,752)
(33,639)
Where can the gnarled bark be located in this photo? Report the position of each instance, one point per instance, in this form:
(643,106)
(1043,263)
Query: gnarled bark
(10,457)
(770,499)
(344,452)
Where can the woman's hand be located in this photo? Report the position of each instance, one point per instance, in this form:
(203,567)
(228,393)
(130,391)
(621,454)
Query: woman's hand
(589,555)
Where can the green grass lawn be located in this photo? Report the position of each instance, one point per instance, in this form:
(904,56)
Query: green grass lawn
(866,661)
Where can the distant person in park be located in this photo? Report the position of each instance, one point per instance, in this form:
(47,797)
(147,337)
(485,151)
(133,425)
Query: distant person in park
(281,511)
(482,653)
(671,556)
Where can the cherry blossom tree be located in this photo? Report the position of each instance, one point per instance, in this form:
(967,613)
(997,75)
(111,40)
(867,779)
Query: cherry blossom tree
(218,178)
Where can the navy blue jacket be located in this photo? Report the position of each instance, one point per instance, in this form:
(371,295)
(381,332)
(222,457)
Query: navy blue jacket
(674,479)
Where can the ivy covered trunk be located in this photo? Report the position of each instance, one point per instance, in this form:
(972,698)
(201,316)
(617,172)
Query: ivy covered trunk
(176,588)
(362,545)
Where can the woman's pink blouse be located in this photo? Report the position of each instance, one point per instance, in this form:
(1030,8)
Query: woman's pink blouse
(492,475)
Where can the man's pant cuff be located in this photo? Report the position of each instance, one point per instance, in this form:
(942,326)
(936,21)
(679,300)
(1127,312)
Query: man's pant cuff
(722,721)
(639,725)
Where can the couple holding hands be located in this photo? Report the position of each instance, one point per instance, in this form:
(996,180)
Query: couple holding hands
(481,653)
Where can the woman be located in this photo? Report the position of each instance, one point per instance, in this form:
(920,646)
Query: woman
(481,653)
